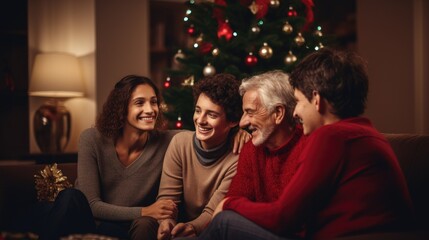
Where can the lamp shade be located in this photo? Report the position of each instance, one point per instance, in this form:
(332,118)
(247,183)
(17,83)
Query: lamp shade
(56,75)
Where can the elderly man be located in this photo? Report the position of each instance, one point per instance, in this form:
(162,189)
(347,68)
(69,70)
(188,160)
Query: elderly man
(267,163)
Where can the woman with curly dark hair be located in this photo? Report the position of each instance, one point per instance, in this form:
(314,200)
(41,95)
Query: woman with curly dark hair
(119,167)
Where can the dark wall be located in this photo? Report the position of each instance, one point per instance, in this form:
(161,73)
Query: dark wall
(14,137)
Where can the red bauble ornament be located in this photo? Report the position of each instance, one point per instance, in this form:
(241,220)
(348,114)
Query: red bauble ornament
(292,12)
(251,60)
(191,30)
(224,30)
(179,123)
(167,82)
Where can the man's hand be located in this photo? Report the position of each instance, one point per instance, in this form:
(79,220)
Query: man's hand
(164,229)
(219,207)
(161,209)
(240,138)
(183,230)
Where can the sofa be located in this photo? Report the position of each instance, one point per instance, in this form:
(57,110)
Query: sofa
(18,194)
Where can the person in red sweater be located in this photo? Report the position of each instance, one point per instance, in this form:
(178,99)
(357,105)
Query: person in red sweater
(267,163)
(348,180)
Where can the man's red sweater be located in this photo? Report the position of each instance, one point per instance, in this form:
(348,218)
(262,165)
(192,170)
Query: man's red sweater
(347,182)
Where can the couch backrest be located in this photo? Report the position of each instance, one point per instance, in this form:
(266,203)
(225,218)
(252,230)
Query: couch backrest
(412,152)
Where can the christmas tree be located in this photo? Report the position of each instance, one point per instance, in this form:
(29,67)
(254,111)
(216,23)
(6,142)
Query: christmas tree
(240,37)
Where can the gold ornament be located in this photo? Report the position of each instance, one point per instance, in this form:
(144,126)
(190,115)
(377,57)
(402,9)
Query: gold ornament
(287,28)
(50,182)
(254,8)
(199,39)
(163,107)
(215,52)
(290,58)
(299,40)
(274,3)
(266,51)
(189,81)
(318,33)
(209,70)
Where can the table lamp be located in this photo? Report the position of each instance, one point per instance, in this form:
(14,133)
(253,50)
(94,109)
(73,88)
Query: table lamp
(56,76)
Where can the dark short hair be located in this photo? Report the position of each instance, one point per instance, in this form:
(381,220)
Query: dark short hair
(222,89)
(339,77)
(111,120)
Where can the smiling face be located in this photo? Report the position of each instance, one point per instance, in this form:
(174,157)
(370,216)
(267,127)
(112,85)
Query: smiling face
(257,118)
(307,113)
(143,108)
(211,125)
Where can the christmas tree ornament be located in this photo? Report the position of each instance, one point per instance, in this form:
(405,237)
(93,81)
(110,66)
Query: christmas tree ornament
(179,123)
(209,70)
(215,52)
(189,81)
(255,29)
(291,12)
(259,8)
(266,51)
(191,30)
(287,28)
(179,55)
(290,58)
(274,3)
(163,107)
(251,60)
(299,40)
(50,182)
(224,30)
(199,39)
(318,32)
(167,82)
(254,7)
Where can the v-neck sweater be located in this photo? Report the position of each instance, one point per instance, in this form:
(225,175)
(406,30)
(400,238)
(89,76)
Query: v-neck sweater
(114,191)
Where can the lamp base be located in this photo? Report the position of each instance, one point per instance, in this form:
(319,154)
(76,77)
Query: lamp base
(52,123)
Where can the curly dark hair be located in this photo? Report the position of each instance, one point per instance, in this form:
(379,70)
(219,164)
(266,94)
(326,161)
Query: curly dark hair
(222,89)
(111,120)
(339,77)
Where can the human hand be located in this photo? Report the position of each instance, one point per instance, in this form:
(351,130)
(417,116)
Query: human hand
(183,230)
(240,138)
(161,209)
(219,207)
(164,229)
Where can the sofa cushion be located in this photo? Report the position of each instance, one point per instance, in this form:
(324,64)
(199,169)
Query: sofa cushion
(412,152)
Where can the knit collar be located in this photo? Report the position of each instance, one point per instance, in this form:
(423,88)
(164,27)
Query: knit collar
(209,156)
(296,135)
